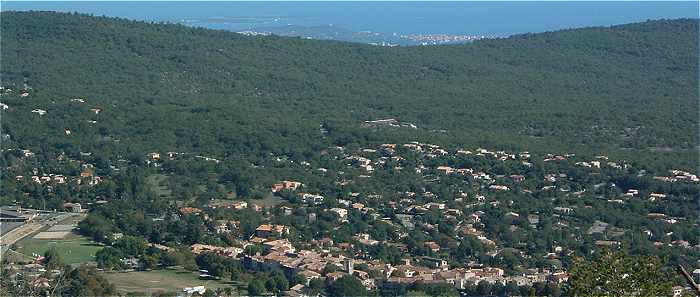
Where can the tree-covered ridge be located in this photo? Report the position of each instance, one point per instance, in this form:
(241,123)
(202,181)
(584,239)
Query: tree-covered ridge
(171,87)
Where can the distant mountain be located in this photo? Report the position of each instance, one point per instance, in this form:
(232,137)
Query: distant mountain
(173,87)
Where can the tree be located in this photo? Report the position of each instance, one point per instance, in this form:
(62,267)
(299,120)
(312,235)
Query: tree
(252,249)
(346,286)
(96,226)
(442,290)
(86,282)
(316,285)
(150,261)
(130,245)
(108,258)
(414,293)
(617,274)
(277,282)
(330,268)
(256,287)
(52,259)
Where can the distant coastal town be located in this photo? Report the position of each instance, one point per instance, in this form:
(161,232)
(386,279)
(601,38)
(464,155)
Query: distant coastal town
(369,37)
(435,39)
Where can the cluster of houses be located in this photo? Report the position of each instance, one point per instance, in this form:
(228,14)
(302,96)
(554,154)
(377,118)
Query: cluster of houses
(313,263)
(87,175)
(25,92)
(678,176)
(39,277)
(286,185)
(388,123)
(369,160)
(8,91)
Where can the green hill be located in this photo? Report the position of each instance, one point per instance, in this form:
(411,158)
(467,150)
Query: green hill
(629,89)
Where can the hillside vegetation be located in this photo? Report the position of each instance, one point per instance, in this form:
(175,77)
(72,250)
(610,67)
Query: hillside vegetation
(629,89)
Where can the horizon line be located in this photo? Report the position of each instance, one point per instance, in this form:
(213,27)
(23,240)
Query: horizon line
(692,1)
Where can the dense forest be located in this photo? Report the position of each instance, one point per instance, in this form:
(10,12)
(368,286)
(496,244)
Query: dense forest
(627,90)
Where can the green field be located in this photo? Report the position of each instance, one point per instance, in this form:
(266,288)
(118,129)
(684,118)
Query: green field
(73,249)
(166,280)
(268,200)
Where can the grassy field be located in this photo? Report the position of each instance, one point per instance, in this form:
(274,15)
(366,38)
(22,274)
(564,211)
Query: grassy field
(166,280)
(268,200)
(73,249)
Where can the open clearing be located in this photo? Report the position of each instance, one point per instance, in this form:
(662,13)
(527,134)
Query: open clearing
(166,280)
(268,200)
(56,228)
(73,248)
(159,185)
(52,235)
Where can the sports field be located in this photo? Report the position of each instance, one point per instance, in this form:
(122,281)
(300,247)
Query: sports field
(73,248)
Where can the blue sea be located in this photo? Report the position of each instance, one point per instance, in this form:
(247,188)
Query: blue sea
(492,18)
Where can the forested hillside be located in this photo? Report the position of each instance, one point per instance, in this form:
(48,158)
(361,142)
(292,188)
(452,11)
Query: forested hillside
(628,89)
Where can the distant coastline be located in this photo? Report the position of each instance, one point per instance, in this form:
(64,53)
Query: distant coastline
(383,23)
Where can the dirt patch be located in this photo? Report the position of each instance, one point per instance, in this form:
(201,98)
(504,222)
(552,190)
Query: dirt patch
(52,235)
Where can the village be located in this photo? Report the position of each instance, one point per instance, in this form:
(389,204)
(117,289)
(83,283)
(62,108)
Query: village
(312,263)
(477,193)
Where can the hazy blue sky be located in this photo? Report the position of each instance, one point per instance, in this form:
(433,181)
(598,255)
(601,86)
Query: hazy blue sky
(479,18)
(346,0)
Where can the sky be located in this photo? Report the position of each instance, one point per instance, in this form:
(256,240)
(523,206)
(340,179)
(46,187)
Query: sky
(343,0)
